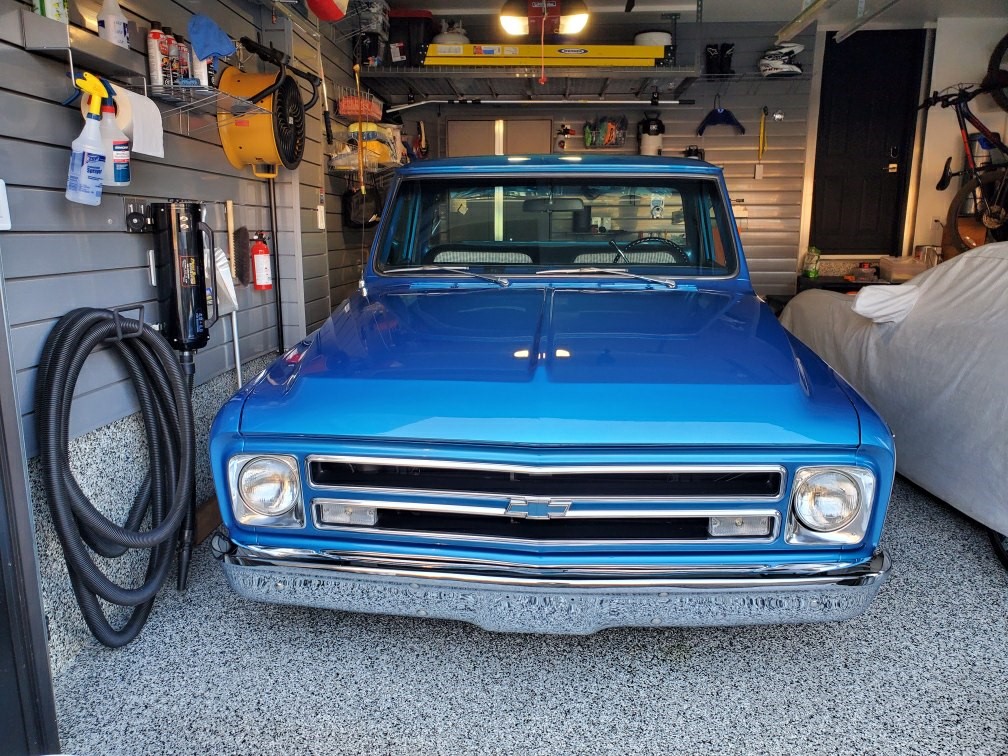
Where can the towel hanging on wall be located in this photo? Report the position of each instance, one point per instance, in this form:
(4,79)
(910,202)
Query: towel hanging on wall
(719,117)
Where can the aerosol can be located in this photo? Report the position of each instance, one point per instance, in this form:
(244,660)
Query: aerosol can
(87,157)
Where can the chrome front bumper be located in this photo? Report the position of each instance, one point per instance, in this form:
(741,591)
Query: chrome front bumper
(560,602)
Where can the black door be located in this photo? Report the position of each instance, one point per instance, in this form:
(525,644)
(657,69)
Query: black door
(870,86)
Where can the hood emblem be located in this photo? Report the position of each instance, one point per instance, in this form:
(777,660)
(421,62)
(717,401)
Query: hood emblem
(537,509)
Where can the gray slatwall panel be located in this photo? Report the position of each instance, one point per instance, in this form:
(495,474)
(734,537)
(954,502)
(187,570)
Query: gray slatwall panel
(60,255)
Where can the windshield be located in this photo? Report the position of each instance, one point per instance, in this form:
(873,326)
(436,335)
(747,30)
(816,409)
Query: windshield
(673,227)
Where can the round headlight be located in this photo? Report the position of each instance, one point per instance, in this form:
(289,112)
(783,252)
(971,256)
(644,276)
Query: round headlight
(827,501)
(269,485)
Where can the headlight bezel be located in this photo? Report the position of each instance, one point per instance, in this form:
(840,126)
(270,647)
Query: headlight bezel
(798,532)
(248,514)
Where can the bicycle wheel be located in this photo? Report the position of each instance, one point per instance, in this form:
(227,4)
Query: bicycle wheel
(998,62)
(968,225)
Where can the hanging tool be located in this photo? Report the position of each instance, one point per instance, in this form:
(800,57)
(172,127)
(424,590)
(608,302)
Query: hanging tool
(762,144)
(326,113)
(719,117)
(229,213)
(762,135)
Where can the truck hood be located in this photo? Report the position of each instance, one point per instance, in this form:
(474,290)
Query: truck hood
(545,366)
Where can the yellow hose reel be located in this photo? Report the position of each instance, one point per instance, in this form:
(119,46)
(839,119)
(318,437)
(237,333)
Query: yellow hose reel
(265,140)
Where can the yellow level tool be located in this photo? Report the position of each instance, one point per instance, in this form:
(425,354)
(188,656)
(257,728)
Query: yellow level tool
(550,55)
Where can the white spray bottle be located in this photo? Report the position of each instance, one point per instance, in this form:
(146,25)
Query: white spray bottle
(87,157)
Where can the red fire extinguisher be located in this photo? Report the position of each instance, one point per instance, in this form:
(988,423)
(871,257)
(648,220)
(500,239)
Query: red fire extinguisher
(262,273)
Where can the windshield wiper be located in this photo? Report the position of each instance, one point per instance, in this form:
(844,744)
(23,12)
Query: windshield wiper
(611,272)
(499,280)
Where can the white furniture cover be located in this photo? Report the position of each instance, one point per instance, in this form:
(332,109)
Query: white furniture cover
(939,376)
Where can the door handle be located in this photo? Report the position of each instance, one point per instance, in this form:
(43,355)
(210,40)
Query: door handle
(890,168)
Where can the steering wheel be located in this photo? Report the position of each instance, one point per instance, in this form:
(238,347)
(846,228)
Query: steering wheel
(681,258)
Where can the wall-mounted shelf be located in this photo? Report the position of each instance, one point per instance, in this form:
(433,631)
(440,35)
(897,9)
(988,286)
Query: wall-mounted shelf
(202,100)
(80,47)
(400,85)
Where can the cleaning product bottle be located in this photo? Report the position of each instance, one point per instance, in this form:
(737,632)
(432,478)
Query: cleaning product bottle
(112,24)
(173,62)
(154,37)
(164,47)
(116,146)
(185,72)
(87,157)
(54,9)
(200,71)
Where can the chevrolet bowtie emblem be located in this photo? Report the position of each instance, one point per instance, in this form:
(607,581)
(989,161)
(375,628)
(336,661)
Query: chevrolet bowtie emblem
(537,509)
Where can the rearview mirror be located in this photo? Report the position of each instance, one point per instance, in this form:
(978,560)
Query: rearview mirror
(556,204)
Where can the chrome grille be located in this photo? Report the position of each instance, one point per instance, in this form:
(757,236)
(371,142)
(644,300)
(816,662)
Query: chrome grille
(620,482)
(591,504)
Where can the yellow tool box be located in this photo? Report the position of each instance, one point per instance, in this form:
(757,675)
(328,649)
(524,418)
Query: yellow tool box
(550,55)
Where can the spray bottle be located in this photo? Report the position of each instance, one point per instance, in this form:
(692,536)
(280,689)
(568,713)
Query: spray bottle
(87,158)
(112,24)
(116,147)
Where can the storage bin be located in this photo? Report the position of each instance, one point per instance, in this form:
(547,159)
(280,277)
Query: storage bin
(369,49)
(409,33)
(900,269)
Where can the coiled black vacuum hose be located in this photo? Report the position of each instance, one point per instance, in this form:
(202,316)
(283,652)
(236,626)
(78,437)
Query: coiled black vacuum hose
(164,500)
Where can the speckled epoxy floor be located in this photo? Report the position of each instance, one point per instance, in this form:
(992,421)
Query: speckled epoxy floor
(925,671)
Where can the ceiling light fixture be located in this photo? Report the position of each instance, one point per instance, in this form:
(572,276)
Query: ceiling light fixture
(520,17)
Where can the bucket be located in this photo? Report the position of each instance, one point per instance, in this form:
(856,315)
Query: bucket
(653,38)
(650,144)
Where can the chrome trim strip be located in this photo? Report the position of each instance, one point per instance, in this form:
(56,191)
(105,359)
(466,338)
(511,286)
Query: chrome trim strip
(435,493)
(879,565)
(775,525)
(426,563)
(572,513)
(594,469)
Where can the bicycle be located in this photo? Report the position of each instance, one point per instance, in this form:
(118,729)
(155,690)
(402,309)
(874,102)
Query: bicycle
(979,211)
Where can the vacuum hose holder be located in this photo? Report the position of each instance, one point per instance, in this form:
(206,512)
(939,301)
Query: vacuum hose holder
(166,494)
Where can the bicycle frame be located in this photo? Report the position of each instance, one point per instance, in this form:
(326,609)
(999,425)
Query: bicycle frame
(964,114)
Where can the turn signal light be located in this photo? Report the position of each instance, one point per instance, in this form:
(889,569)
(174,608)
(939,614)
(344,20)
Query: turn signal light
(346,513)
(742,525)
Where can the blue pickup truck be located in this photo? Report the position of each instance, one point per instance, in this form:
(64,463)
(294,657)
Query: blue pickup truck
(555,404)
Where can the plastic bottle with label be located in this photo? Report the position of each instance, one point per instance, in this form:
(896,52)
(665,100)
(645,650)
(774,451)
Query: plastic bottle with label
(173,60)
(154,67)
(87,164)
(54,9)
(185,70)
(116,147)
(112,24)
(200,70)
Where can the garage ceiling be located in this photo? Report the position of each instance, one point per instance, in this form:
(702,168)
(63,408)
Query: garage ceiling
(913,12)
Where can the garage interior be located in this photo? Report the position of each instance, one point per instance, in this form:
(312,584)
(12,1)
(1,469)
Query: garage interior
(922,672)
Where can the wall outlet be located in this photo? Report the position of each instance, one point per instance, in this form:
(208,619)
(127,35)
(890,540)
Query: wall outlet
(5,217)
